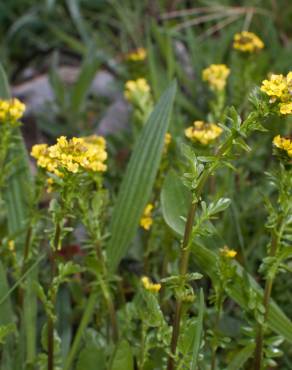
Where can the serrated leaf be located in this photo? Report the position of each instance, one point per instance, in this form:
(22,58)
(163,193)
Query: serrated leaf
(218,206)
(139,178)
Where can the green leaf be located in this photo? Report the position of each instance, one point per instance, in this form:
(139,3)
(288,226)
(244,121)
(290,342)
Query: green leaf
(18,191)
(277,320)
(208,260)
(198,333)
(241,357)
(139,178)
(91,358)
(86,75)
(6,318)
(6,313)
(30,309)
(86,317)
(123,358)
(5,330)
(219,206)
(4,86)
(175,198)
(75,12)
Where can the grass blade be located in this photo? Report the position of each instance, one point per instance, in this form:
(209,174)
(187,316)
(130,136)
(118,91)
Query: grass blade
(139,178)
(17,199)
(241,357)
(19,181)
(4,86)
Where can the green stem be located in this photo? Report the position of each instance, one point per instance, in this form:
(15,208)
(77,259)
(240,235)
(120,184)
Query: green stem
(87,315)
(185,253)
(107,294)
(215,347)
(258,355)
(185,250)
(50,343)
(111,309)
(143,336)
(50,324)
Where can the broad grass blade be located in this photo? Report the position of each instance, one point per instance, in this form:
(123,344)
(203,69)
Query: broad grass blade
(140,175)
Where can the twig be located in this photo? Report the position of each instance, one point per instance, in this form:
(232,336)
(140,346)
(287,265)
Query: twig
(217,27)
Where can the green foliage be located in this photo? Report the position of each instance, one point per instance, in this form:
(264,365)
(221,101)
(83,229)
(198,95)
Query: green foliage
(139,179)
(123,358)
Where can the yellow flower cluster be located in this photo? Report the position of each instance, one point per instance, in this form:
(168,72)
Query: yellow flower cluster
(203,132)
(74,155)
(11,110)
(135,89)
(137,55)
(146,220)
(148,285)
(228,253)
(283,144)
(279,88)
(247,42)
(216,76)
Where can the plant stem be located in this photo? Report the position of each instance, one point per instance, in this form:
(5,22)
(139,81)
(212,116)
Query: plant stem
(143,337)
(50,344)
(107,295)
(50,324)
(183,270)
(258,355)
(214,349)
(89,308)
(185,250)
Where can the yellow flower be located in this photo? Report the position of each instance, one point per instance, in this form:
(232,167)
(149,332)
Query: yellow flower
(228,253)
(247,42)
(216,75)
(279,89)
(167,142)
(202,132)
(146,219)
(135,89)
(167,139)
(275,87)
(137,55)
(286,108)
(283,144)
(74,155)
(11,245)
(11,110)
(148,285)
